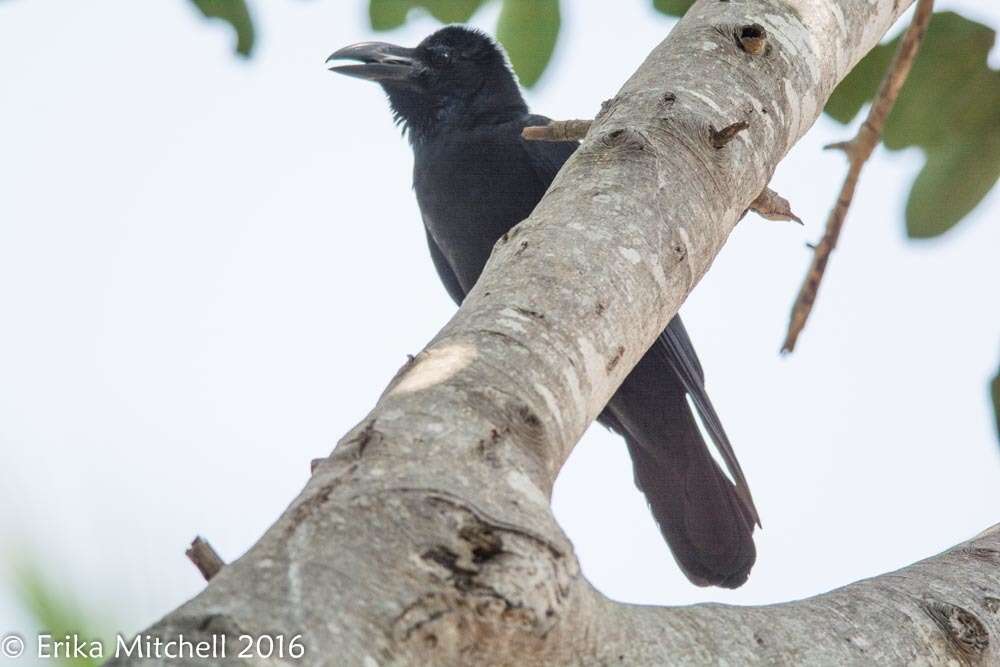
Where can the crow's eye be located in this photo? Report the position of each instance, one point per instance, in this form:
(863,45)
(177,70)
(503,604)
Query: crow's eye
(440,57)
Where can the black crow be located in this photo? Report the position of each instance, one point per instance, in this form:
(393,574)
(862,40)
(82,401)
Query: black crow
(475,177)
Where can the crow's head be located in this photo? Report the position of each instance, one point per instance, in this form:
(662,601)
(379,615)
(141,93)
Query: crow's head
(455,75)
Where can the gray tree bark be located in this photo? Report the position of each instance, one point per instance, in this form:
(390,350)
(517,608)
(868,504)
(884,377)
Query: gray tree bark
(427,538)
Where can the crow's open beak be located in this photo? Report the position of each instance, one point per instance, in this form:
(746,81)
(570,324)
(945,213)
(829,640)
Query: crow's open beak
(379,61)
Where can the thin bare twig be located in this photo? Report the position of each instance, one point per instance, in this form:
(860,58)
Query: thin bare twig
(557,130)
(205,558)
(858,150)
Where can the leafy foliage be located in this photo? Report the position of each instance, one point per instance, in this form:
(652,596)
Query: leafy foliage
(235,13)
(995,392)
(55,612)
(528,29)
(390,14)
(673,7)
(949,108)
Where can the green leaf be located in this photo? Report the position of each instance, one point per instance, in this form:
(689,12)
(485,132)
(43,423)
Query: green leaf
(948,108)
(528,29)
(995,391)
(390,14)
(236,14)
(859,86)
(953,181)
(53,609)
(450,11)
(387,14)
(673,7)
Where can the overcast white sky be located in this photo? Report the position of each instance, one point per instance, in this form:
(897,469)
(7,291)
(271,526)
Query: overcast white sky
(210,268)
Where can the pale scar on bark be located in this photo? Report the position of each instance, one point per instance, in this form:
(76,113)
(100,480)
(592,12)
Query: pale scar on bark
(435,366)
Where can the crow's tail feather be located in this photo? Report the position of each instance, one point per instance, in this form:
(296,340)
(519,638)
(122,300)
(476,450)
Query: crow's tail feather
(706,522)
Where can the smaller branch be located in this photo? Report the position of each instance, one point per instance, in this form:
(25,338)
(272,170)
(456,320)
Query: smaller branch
(205,558)
(858,150)
(557,130)
(720,138)
(772,206)
(839,146)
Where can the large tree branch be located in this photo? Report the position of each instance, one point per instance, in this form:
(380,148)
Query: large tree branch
(427,538)
(940,611)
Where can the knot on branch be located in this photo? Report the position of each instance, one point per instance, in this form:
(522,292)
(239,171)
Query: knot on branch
(967,637)
(527,426)
(752,39)
(720,138)
(491,586)
(991,556)
(610,106)
(627,138)
(368,435)
(615,358)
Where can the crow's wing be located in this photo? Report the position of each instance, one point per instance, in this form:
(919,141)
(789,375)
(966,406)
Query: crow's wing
(444,269)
